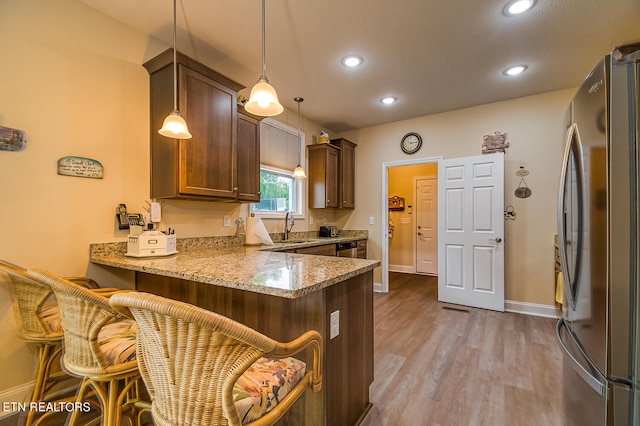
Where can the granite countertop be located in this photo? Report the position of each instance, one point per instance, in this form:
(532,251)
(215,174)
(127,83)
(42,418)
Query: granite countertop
(223,261)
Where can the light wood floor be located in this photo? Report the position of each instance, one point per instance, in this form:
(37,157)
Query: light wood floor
(439,366)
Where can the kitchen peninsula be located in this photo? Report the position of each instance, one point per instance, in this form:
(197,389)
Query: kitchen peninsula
(281,295)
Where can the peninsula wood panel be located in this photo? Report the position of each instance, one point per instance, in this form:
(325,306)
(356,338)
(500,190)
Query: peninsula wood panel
(354,342)
(348,359)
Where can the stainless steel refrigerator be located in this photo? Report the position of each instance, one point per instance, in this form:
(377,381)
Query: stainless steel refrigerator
(598,223)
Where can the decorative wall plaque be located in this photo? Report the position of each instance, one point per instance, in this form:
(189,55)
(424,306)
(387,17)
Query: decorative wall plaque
(494,143)
(396,203)
(12,139)
(80,167)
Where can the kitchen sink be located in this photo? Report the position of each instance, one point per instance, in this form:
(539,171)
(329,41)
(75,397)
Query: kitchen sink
(296,241)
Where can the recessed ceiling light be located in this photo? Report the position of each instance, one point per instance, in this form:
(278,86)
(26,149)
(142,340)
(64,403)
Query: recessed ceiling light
(388,100)
(516,7)
(352,61)
(518,69)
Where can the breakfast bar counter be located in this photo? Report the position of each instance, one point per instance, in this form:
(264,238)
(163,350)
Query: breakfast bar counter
(256,269)
(280,295)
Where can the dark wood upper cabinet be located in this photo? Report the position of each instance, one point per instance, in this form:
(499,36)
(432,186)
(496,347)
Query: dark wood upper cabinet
(215,162)
(332,175)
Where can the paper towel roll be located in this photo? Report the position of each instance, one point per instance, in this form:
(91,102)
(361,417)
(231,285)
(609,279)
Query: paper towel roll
(256,232)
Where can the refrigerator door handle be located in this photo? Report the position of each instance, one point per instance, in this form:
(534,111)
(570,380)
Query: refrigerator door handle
(573,150)
(595,383)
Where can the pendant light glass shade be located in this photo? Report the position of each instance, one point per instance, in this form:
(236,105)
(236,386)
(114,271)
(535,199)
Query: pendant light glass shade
(174,126)
(298,172)
(263,100)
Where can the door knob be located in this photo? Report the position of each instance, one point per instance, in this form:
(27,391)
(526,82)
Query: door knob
(497,239)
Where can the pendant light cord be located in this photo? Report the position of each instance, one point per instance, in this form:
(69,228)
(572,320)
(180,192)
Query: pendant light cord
(175,65)
(299,130)
(299,100)
(264,62)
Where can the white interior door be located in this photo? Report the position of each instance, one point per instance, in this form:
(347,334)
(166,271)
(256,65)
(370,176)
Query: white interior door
(427,226)
(471,231)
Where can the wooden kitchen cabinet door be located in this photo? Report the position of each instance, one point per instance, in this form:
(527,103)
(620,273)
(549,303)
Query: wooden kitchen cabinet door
(208,161)
(346,180)
(323,176)
(248,157)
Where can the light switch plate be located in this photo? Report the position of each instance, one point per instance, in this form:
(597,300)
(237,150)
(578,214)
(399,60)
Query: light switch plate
(335,324)
(371,220)
(226,221)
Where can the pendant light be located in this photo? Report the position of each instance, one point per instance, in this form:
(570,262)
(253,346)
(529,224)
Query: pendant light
(174,125)
(263,100)
(298,172)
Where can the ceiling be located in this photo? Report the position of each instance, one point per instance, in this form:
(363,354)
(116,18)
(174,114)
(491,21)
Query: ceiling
(433,55)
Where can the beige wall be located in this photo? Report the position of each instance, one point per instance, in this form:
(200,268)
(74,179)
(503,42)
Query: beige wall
(535,128)
(401,182)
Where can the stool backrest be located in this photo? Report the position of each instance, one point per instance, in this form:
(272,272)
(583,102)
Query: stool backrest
(83,313)
(190,358)
(28,297)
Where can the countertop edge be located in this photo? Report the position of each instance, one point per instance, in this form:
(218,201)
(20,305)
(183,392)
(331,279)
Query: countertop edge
(286,293)
(118,260)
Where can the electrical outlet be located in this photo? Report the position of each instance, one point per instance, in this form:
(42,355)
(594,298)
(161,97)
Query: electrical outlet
(335,324)
(310,221)
(226,221)
(371,220)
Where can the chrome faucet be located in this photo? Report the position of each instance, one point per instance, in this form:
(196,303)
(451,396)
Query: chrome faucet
(288,224)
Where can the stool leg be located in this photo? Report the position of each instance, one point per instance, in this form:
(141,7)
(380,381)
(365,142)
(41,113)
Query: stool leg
(45,354)
(81,395)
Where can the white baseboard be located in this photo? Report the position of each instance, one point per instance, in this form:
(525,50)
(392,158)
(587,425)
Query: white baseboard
(18,394)
(405,269)
(535,309)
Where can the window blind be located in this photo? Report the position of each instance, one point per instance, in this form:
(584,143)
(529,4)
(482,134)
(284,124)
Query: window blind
(278,145)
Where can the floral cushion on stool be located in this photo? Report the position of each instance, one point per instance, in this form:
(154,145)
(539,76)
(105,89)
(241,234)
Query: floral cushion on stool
(118,341)
(264,384)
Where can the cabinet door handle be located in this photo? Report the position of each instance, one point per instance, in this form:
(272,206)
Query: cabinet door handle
(235,189)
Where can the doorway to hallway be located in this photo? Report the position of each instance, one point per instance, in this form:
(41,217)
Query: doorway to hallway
(400,248)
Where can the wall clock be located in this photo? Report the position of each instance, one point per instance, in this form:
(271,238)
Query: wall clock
(411,143)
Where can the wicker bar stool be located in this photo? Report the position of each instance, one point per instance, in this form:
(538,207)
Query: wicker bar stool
(202,368)
(98,346)
(38,320)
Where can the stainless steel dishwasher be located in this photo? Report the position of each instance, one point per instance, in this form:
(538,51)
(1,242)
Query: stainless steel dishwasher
(347,249)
